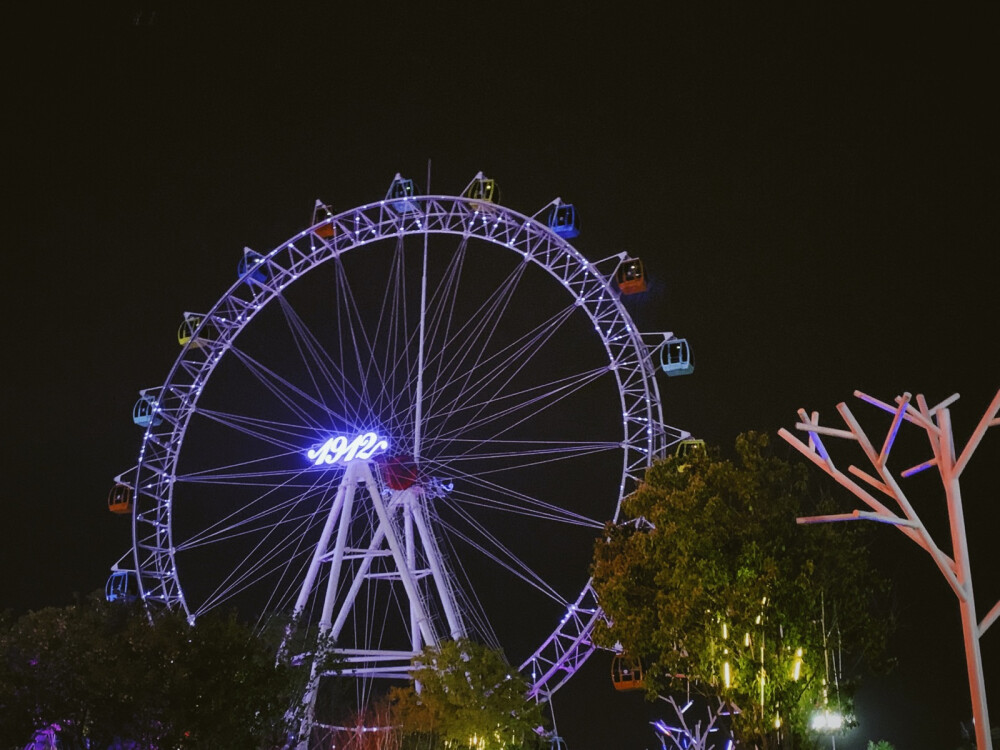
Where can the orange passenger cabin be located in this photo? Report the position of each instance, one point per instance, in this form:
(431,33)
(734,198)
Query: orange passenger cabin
(631,276)
(120,498)
(323,217)
(626,673)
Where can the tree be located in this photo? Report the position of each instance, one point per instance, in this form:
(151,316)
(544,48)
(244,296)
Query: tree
(106,673)
(468,697)
(935,422)
(709,580)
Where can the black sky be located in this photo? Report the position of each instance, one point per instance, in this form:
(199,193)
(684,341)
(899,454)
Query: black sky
(813,191)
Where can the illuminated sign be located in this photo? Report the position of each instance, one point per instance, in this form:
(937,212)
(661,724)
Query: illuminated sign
(338,450)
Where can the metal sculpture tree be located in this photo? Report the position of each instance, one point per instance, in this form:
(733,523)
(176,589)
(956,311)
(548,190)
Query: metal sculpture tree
(936,422)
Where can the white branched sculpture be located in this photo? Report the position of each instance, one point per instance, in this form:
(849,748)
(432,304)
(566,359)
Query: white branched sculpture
(683,737)
(898,511)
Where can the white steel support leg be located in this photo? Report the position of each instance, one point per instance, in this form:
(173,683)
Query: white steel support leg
(359,579)
(321,549)
(342,507)
(411,561)
(441,580)
(349,485)
(405,574)
(384,532)
(406,515)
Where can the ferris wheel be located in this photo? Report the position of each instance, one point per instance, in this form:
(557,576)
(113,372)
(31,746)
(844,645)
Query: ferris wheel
(406,423)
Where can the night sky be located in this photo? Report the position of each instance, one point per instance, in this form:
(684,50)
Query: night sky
(814,194)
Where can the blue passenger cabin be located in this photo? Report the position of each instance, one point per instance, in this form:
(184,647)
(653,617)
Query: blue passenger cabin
(121,587)
(563,220)
(400,195)
(675,358)
(144,413)
(252,267)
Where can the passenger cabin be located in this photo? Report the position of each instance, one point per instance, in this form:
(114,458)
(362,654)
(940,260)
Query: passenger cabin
(689,447)
(399,472)
(631,276)
(122,587)
(252,268)
(120,498)
(626,673)
(400,195)
(675,358)
(563,220)
(322,215)
(188,334)
(144,413)
(482,189)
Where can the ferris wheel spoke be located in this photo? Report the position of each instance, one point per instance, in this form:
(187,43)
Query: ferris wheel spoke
(441,306)
(501,377)
(392,335)
(246,573)
(299,403)
(241,474)
(238,520)
(285,436)
(493,549)
(500,497)
(318,362)
(533,399)
(439,315)
(512,416)
(246,576)
(494,366)
(362,353)
(472,606)
(242,528)
(506,463)
(475,334)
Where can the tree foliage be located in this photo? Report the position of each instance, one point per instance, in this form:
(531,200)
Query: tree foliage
(468,697)
(105,673)
(709,579)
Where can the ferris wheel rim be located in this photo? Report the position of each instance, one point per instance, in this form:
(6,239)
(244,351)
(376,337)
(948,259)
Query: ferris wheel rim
(361,227)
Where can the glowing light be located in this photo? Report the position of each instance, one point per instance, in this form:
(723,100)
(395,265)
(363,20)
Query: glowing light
(797,666)
(725,674)
(826,720)
(340,450)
